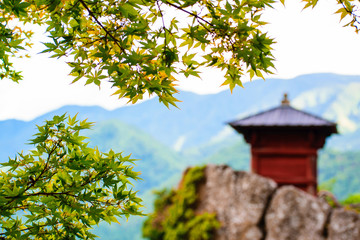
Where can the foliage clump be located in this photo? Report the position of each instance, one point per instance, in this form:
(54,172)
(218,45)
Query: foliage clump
(351,202)
(141,46)
(174,217)
(144,46)
(62,187)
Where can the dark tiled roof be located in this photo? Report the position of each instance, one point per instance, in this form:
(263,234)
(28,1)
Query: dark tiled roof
(283,116)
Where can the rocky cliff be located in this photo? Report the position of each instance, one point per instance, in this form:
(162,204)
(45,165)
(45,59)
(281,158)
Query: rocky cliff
(251,207)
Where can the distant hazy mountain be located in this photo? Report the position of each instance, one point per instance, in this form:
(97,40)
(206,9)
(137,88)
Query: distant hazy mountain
(198,131)
(203,118)
(167,141)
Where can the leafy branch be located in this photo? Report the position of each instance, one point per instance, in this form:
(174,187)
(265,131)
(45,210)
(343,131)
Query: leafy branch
(76,188)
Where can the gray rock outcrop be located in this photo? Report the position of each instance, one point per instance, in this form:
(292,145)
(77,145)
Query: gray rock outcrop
(344,225)
(296,215)
(251,207)
(239,200)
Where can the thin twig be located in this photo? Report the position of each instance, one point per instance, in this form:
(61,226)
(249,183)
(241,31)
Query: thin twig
(190,13)
(163,22)
(50,194)
(45,168)
(100,24)
(37,178)
(354,16)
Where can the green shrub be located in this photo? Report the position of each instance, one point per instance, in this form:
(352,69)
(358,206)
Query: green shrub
(174,217)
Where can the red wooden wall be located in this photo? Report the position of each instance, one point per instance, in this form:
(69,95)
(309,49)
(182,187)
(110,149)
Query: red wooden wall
(287,155)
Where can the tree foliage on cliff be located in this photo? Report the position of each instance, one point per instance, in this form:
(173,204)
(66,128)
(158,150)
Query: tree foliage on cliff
(174,217)
(62,188)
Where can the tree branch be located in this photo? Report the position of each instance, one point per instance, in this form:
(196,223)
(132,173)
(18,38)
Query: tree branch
(190,13)
(100,24)
(44,169)
(351,12)
(163,22)
(25,229)
(50,194)
(33,182)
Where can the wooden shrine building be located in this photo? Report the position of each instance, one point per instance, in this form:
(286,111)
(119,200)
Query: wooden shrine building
(284,143)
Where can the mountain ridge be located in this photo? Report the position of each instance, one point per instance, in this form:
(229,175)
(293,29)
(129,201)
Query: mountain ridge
(204,117)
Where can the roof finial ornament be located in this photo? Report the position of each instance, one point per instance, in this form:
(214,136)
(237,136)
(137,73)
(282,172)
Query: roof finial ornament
(285,101)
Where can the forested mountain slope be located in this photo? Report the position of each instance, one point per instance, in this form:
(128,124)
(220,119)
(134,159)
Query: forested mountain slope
(167,141)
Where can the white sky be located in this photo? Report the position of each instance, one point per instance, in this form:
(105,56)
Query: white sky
(308,41)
